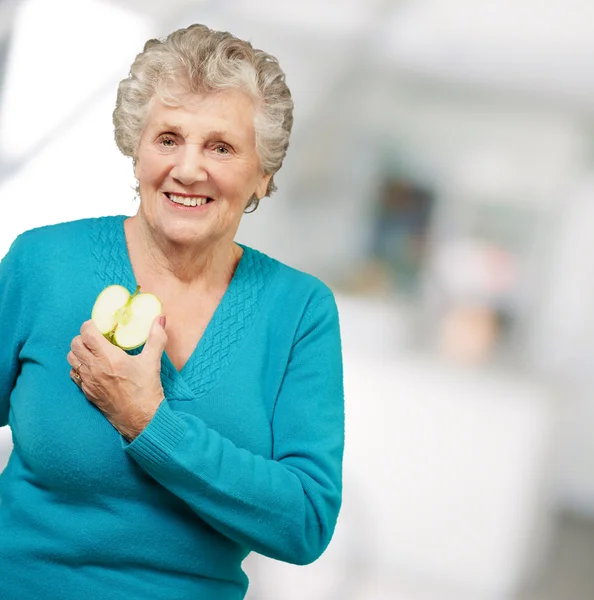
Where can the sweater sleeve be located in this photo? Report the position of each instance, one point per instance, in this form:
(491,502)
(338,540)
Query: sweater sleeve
(10,325)
(285,507)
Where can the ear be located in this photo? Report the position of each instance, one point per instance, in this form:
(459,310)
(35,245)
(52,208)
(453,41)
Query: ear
(262,186)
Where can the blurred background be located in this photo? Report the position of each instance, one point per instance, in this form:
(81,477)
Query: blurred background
(440,179)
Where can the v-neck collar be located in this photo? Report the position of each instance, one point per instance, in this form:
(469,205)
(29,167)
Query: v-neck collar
(230,322)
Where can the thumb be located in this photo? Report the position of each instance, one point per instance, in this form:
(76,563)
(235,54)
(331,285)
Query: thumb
(157,339)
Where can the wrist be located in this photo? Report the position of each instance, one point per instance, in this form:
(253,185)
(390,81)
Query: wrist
(140,419)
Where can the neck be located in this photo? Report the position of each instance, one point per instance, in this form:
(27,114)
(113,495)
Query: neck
(197,267)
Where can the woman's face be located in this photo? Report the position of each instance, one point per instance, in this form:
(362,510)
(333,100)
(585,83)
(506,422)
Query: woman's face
(204,154)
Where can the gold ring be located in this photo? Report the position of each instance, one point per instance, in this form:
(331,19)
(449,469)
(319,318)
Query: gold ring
(77,373)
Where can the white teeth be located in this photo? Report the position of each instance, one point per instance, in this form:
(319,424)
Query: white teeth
(187,201)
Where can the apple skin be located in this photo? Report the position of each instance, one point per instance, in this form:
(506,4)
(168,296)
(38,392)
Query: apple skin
(125,319)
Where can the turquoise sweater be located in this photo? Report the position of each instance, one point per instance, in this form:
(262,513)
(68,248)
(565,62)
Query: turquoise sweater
(244,453)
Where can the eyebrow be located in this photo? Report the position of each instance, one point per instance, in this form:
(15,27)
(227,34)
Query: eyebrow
(214,133)
(217,133)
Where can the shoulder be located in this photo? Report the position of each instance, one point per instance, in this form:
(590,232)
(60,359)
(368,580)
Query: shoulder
(64,231)
(64,238)
(287,286)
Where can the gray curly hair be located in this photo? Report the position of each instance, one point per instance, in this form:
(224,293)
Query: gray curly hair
(199,60)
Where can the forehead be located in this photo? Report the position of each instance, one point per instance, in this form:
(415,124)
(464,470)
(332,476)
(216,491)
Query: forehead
(229,112)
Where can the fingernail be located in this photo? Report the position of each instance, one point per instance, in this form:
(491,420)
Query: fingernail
(162,321)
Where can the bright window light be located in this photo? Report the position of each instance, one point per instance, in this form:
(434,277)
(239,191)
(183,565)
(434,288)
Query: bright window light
(63,53)
(56,124)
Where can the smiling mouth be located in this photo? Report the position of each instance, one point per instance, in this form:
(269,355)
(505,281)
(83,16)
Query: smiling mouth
(188,200)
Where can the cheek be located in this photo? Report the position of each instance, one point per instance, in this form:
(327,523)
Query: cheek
(150,169)
(140,170)
(241,185)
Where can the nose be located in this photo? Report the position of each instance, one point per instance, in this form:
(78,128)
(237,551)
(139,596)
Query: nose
(190,165)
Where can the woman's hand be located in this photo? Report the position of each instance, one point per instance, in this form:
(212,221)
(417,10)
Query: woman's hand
(126,389)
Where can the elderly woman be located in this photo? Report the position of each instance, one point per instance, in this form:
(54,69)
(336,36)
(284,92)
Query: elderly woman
(152,473)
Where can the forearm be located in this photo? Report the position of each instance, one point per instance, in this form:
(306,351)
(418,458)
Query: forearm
(273,507)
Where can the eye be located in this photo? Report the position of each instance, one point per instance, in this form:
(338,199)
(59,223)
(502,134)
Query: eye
(222,149)
(166,141)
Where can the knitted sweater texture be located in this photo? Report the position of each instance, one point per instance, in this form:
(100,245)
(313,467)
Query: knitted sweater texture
(244,454)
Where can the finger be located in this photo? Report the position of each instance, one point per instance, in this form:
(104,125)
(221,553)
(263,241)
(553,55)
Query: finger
(77,380)
(93,339)
(76,367)
(80,350)
(157,339)
(79,362)
(73,360)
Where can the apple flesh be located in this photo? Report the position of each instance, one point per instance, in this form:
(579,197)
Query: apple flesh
(125,319)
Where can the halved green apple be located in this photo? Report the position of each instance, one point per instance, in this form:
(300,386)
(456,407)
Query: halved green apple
(125,319)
